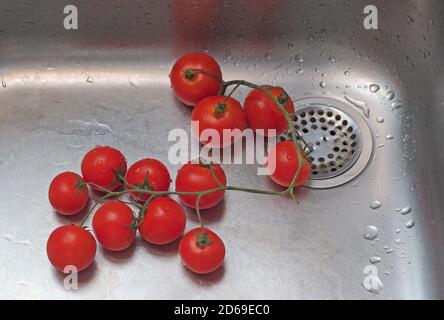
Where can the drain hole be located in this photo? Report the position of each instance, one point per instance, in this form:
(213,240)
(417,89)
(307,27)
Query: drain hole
(335,135)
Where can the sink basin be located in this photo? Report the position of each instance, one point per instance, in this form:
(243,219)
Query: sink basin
(65,91)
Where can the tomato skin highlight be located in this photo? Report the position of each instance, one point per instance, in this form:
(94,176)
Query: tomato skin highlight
(285,160)
(201,85)
(219,113)
(71,246)
(198,259)
(99,164)
(151,169)
(164,221)
(192,177)
(111,225)
(65,197)
(262,112)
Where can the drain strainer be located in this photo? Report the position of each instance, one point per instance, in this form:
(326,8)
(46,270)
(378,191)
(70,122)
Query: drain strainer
(340,138)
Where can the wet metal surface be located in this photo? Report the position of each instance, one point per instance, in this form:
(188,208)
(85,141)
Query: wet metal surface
(64,92)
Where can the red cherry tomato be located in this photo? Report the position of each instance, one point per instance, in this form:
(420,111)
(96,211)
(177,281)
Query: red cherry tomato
(164,221)
(191,87)
(201,258)
(262,112)
(71,246)
(66,196)
(111,225)
(222,114)
(282,164)
(194,178)
(147,173)
(99,166)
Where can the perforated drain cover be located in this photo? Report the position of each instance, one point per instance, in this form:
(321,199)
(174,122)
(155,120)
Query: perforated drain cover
(340,139)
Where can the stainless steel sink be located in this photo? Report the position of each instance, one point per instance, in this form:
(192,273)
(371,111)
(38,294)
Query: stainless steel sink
(65,91)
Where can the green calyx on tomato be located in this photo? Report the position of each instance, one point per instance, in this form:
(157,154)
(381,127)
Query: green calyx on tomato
(282,99)
(202,239)
(220,109)
(80,185)
(145,185)
(189,74)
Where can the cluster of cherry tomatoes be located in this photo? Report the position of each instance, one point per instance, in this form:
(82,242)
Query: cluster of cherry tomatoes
(197,81)
(161,221)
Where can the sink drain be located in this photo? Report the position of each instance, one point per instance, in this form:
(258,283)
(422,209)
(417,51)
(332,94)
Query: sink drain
(339,136)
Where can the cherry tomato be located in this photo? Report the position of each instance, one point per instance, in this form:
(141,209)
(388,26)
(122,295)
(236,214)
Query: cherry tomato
(193,177)
(99,166)
(222,114)
(65,196)
(192,86)
(263,113)
(282,164)
(111,225)
(71,246)
(164,221)
(203,258)
(147,173)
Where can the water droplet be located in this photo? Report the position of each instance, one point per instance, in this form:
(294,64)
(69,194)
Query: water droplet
(406,210)
(381,145)
(374,88)
(299,58)
(389,137)
(359,104)
(397,230)
(370,232)
(396,104)
(347,73)
(380,119)
(375,204)
(390,95)
(290,46)
(3,82)
(374,259)
(410,224)
(323,74)
(90,79)
(8,237)
(323,84)
(331,59)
